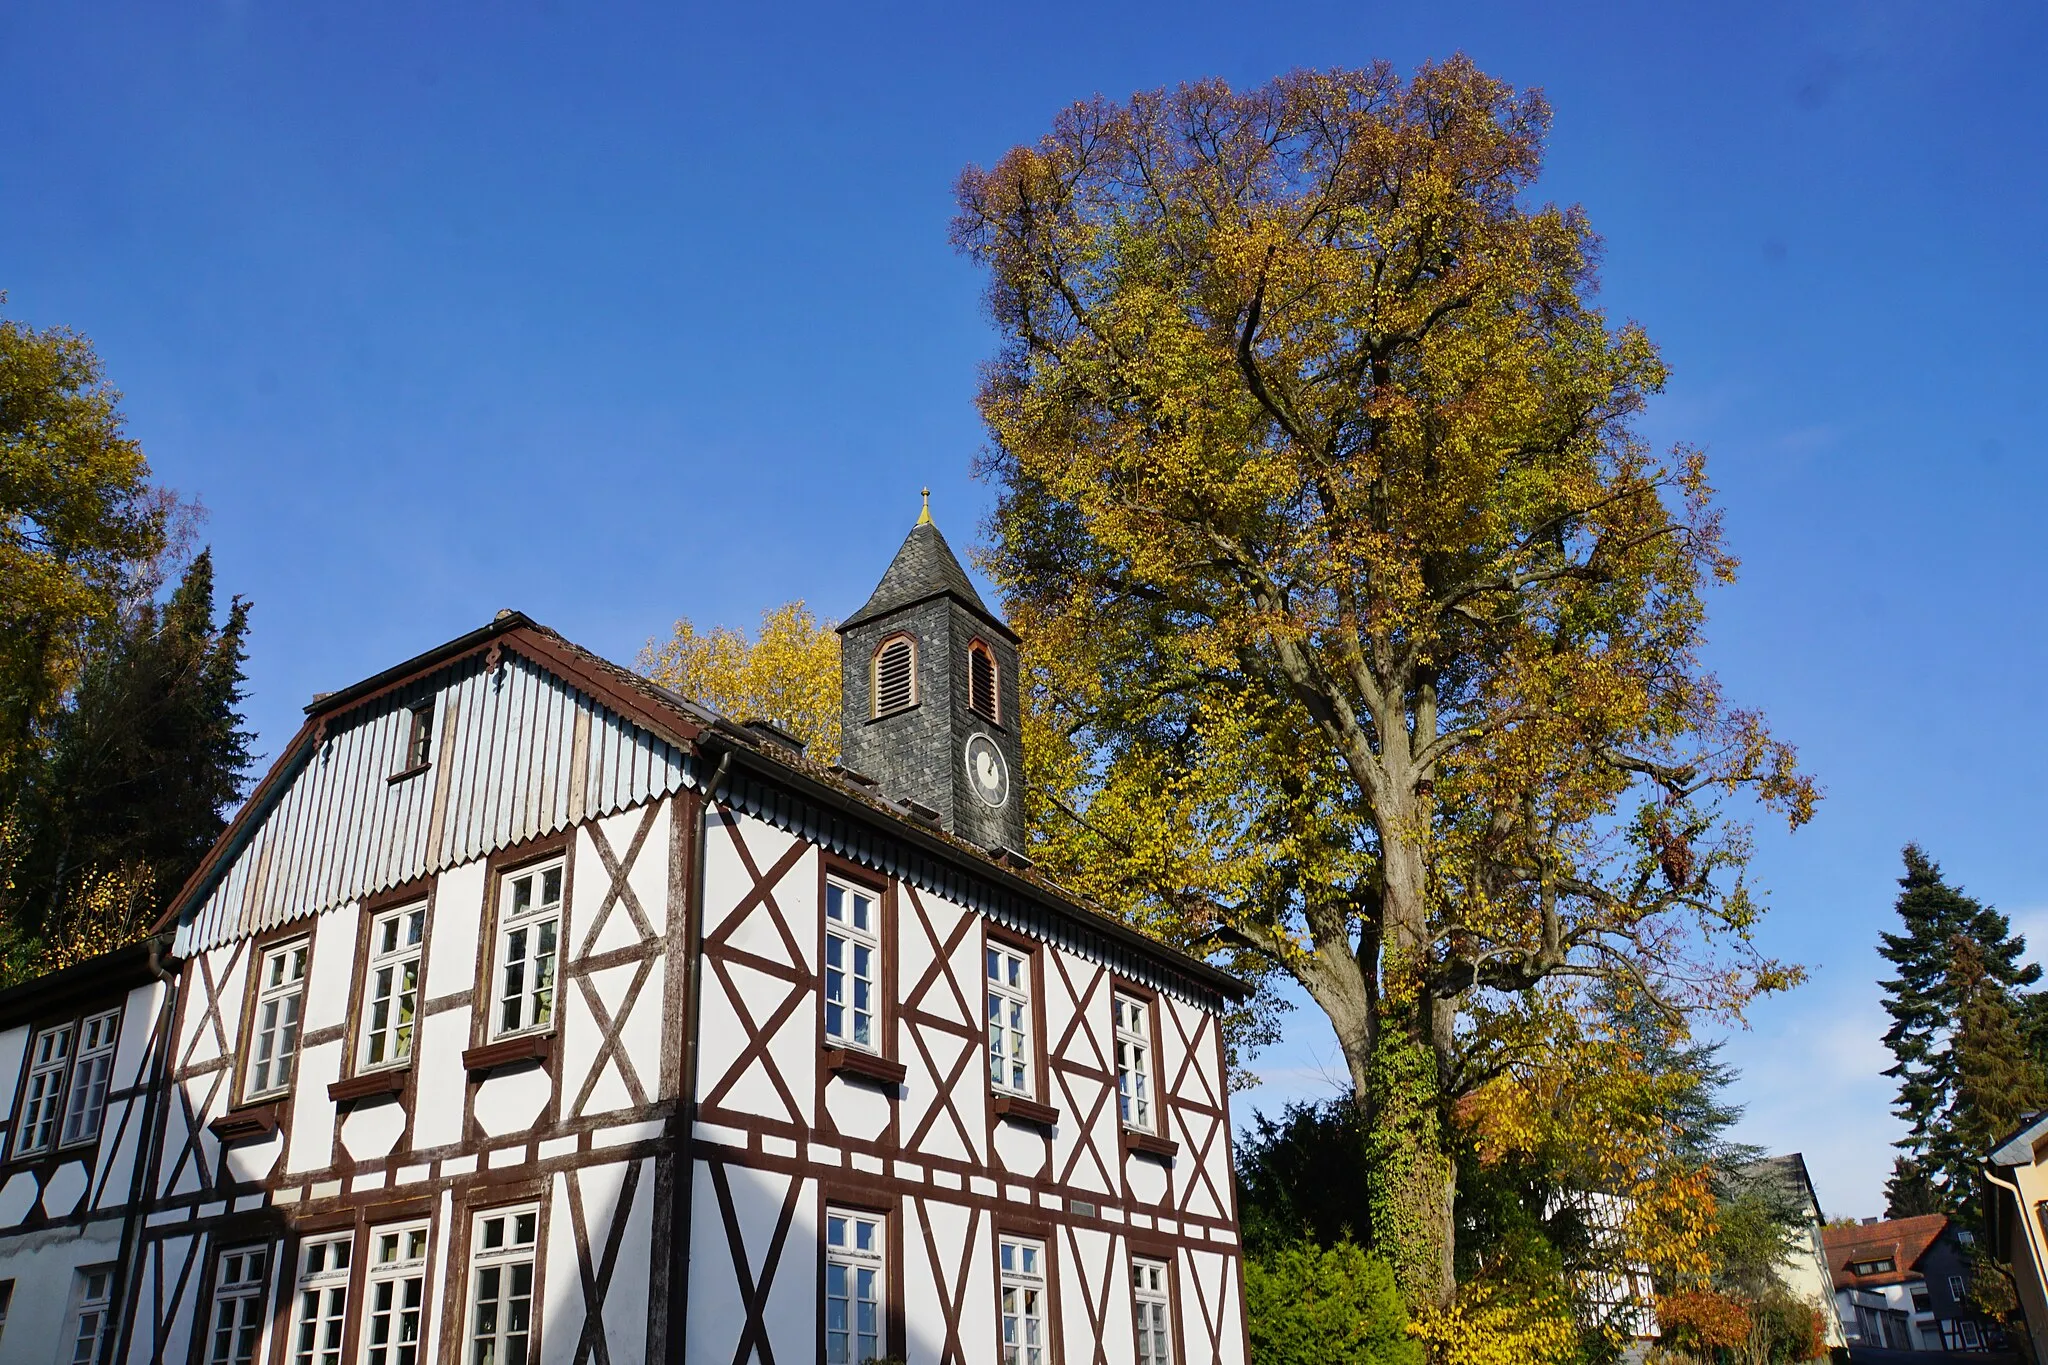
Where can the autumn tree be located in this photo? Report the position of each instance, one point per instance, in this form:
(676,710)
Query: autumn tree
(81,526)
(1951,949)
(1364,631)
(787,675)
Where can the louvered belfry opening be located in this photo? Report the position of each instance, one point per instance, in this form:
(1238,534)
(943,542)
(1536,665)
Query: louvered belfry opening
(895,675)
(981,680)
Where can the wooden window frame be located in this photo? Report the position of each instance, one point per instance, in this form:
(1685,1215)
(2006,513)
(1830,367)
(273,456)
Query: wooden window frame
(487,1201)
(357,1082)
(109,1049)
(994,712)
(78,1305)
(844,1055)
(418,893)
(1010,1228)
(1149,1000)
(875,711)
(16,1155)
(374,1223)
(260,949)
(265,1297)
(513,863)
(891,1334)
(1159,1253)
(325,1281)
(1035,1110)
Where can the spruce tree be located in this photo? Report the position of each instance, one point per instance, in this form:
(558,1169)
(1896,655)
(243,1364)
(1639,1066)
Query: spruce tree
(1925,1001)
(1909,1192)
(147,757)
(2000,1081)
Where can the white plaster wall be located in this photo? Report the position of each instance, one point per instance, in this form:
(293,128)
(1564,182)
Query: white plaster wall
(453,939)
(43,1266)
(439,1082)
(716,1314)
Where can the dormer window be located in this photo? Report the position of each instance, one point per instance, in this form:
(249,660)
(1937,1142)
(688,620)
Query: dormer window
(983,697)
(419,741)
(895,681)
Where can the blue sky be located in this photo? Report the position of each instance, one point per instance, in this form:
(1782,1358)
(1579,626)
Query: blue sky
(615,313)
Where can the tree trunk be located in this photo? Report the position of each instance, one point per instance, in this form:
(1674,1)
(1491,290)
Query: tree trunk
(1414,1177)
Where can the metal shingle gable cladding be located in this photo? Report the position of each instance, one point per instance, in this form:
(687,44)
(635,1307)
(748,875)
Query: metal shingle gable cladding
(518,753)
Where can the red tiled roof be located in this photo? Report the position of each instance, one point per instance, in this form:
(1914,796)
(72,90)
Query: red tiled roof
(1902,1241)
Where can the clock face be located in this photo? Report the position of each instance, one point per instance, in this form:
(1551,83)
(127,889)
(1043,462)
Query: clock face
(986,772)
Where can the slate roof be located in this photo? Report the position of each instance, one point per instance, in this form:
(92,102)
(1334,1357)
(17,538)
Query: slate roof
(924,568)
(1789,1174)
(2018,1149)
(1902,1241)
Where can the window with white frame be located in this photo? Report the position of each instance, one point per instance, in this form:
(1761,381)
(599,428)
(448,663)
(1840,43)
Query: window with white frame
(1955,1288)
(1970,1339)
(1009,1019)
(322,1311)
(1022,1267)
(1152,1311)
(853,959)
(502,1245)
(92,1295)
(91,1071)
(1133,1061)
(395,1296)
(280,997)
(43,1100)
(391,986)
(529,927)
(853,1287)
(238,1316)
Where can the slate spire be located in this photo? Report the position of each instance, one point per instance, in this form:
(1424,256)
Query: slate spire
(928,693)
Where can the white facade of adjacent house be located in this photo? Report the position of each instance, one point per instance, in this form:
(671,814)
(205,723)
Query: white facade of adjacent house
(529,1013)
(79,1058)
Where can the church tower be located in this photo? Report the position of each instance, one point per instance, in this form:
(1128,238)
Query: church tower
(928,694)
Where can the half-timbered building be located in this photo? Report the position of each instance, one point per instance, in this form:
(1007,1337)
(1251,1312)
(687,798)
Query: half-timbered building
(81,1053)
(528,1011)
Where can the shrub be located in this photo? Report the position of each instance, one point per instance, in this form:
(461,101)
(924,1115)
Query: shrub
(1311,1306)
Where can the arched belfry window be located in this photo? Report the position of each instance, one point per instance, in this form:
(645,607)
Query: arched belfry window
(895,680)
(984,692)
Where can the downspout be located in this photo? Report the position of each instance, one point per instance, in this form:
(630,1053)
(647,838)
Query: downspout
(687,1175)
(2019,1204)
(115,1345)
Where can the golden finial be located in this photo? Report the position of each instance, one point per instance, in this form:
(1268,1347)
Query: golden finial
(924,518)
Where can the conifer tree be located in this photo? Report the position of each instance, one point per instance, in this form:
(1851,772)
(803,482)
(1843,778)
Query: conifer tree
(2000,1081)
(145,760)
(1925,1001)
(1909,1192)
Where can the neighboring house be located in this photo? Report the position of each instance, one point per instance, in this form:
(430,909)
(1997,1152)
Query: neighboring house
(1804,1270)
(80,1077)
(1902,1284)
(2017,1226)
(531,1012)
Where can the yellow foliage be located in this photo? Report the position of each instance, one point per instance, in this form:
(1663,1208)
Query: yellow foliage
(1366,632)
(1487,1326)
(788,675)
